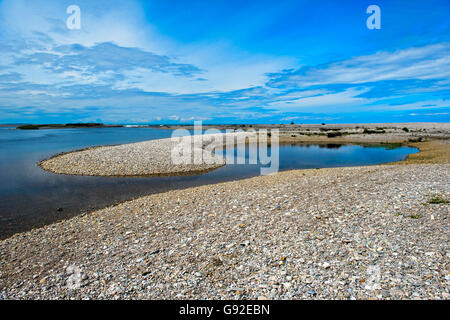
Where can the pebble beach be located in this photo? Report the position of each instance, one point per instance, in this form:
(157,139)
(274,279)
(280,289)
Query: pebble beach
(373,232)
(146,158)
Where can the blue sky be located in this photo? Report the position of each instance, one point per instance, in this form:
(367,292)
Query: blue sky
(224,62)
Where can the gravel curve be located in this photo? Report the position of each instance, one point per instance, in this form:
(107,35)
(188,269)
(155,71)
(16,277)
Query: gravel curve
(340,233)
(145,158)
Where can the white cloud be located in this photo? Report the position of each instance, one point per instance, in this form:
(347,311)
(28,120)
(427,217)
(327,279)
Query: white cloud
(422,105)
(219,80)
(123,23)
(429,62)
(346,98)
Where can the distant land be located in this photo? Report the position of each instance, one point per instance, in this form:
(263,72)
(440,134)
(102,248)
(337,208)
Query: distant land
(63,126)
(282,126)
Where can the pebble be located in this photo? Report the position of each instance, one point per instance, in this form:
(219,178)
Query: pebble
(128,251)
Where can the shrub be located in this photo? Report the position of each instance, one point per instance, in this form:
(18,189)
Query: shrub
(334,134)
(437,199)
(369,131)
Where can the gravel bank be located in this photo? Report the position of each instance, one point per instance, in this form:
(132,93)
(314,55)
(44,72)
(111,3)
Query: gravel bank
(152,157)
(155,157)
(341,233)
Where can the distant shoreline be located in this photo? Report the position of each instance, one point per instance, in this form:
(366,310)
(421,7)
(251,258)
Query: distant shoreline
(65,126)
(283,126)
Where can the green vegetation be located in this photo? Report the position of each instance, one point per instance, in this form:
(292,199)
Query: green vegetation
(59,126)
(391,145)
(28,127)
(414,216)
(329,129)
(334,134)
(405,129)
(438,199)
(369,131)
(309,134)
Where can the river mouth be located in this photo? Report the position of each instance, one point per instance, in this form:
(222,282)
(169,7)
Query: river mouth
(31,197)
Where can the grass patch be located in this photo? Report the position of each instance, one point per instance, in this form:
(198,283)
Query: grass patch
(334,134)
(369,131)
(437,199)
(329,129)
(414,216)
(309,134)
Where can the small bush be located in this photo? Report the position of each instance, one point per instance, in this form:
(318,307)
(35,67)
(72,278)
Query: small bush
(405,129)
(334,134)
(369,131)
(437,199)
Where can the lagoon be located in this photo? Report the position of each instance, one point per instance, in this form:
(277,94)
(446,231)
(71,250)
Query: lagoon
(31,197)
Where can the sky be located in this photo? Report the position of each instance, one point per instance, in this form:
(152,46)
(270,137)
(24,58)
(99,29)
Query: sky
(148,62)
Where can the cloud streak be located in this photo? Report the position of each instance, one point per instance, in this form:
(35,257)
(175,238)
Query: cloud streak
(424,63)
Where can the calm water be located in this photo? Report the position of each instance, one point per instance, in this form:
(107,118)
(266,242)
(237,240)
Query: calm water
(30,197)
